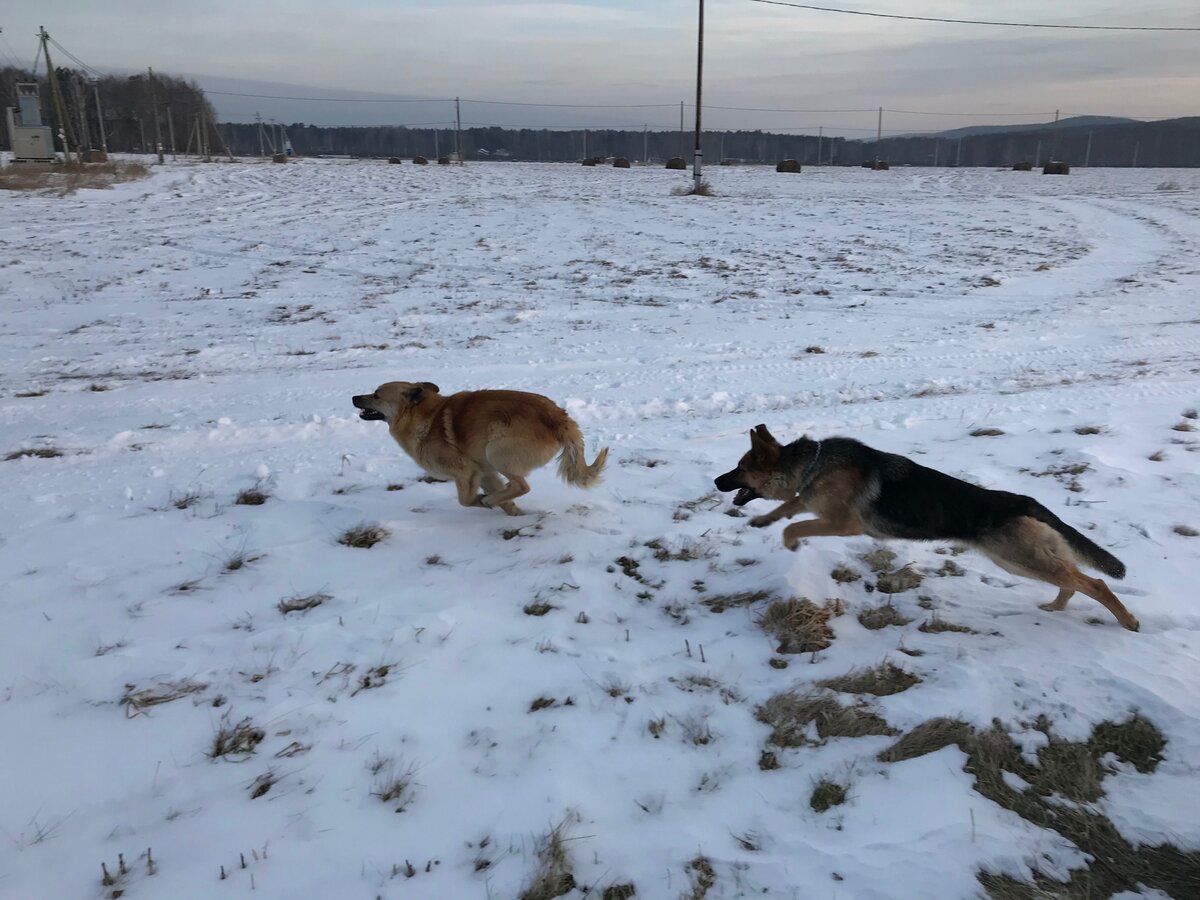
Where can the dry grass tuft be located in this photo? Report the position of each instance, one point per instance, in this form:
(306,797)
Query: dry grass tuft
(1089,429)
(704,189)
(1137,742)
(622,891)
(1185,531)
(800,626)
(827,794)
(986,432)
(793,716)
(238,740)
(363,536)
(937,625)
(702,876)
(928,737)
(896,582)
(302,604)
(554,876)
(880,559)
(881,616)
(844,575)
(537,608)
(38,452)
(254,496)
(882,680)
(66,178)
(392,786)
(136,702)
(718,603)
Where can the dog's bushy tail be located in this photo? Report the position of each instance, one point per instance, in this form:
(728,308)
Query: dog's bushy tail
(1087,550)
(572,466)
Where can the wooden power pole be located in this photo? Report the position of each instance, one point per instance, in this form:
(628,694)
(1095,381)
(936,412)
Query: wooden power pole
(697,159)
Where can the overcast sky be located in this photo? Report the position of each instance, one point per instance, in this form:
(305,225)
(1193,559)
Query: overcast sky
(624,52)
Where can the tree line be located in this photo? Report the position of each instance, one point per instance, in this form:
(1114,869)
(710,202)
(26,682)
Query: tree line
(138,110)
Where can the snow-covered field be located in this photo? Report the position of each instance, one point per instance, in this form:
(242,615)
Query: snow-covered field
(183,339)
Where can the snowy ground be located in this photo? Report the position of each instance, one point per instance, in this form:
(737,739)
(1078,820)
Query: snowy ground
(182,339)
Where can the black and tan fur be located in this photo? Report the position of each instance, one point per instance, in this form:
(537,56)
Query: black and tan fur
(474,437)
(854,489)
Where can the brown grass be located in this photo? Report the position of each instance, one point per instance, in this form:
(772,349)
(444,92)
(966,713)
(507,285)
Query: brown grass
(302,604)
(1186,531)
(800,625)
(902,580)
(66,178)
(136,702)
(928,737)
(718,603)
(363,536)
(986,432)
(881,616)
(254,496)
(537,608)
(827,794)
(880,559)
(622,891)
(704,189)
(882,680)
(702,876)
(792,715)
(554,876)
(238,740)
(844,575)
(38,452)
(937,626)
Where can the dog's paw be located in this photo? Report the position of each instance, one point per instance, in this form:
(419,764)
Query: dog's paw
(482,500)
(761,521)
(791,540)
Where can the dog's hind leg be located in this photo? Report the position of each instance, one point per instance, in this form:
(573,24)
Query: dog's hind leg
(493,485)
(847,526)
(1059,603)
(468,488)
(1100,592)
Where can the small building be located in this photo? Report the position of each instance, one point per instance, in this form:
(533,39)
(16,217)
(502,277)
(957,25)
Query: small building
(31,140)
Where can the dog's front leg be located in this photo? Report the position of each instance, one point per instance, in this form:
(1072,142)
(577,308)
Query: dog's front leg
(786,510)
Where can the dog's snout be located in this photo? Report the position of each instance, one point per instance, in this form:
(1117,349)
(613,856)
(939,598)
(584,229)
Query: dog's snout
(359,400)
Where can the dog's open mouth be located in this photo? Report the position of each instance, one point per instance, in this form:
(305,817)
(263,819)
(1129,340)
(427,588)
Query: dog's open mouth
(372,415)
(744,496)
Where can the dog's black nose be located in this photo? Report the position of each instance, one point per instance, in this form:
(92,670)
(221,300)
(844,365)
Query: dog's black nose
(357,400)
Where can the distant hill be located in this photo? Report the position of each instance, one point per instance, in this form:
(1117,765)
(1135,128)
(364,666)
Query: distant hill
(1072,122)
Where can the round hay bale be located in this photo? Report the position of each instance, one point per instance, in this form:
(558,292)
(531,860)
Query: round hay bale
(590,161)
(788,165)
(1056,167)
(1023,166)
(420,161)
(881,165)
(394,160)
(279,158)
(868,164)
(620,163)
(677,162)
(443,160)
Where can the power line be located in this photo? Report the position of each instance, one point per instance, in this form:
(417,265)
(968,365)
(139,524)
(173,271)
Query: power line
(879,15)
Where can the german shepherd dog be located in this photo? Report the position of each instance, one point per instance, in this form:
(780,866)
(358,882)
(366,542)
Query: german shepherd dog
(854,489)
(474,437)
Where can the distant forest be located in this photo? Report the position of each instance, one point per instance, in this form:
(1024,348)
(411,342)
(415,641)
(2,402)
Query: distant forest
(1174,143)
(137,109)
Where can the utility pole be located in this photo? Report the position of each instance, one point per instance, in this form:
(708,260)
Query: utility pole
(958,154)
(585,156)
(157,118)
(645,144)
(935,152)
(81,108)
(820,129)
(878,134)
(262,150)
(1037,157)
(458,131)
(171,131)
(698,158)
(1137,145)
(100,115)
(437,154)
(681,128)
(1087,157)
(64,124)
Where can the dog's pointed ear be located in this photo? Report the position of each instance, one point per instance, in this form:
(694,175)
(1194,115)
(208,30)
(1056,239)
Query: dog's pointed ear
(416,393)
(431,387)
(760,437)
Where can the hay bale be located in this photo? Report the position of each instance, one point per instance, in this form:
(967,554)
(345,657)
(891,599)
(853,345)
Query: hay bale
(868,164)
(677,162)
(394,160)
(620,163)
(881,165)
(95,156)
(443,160)
(1056,167)
(279,158)
(590,161)
(420,161)
(1023,166)
(788,165)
